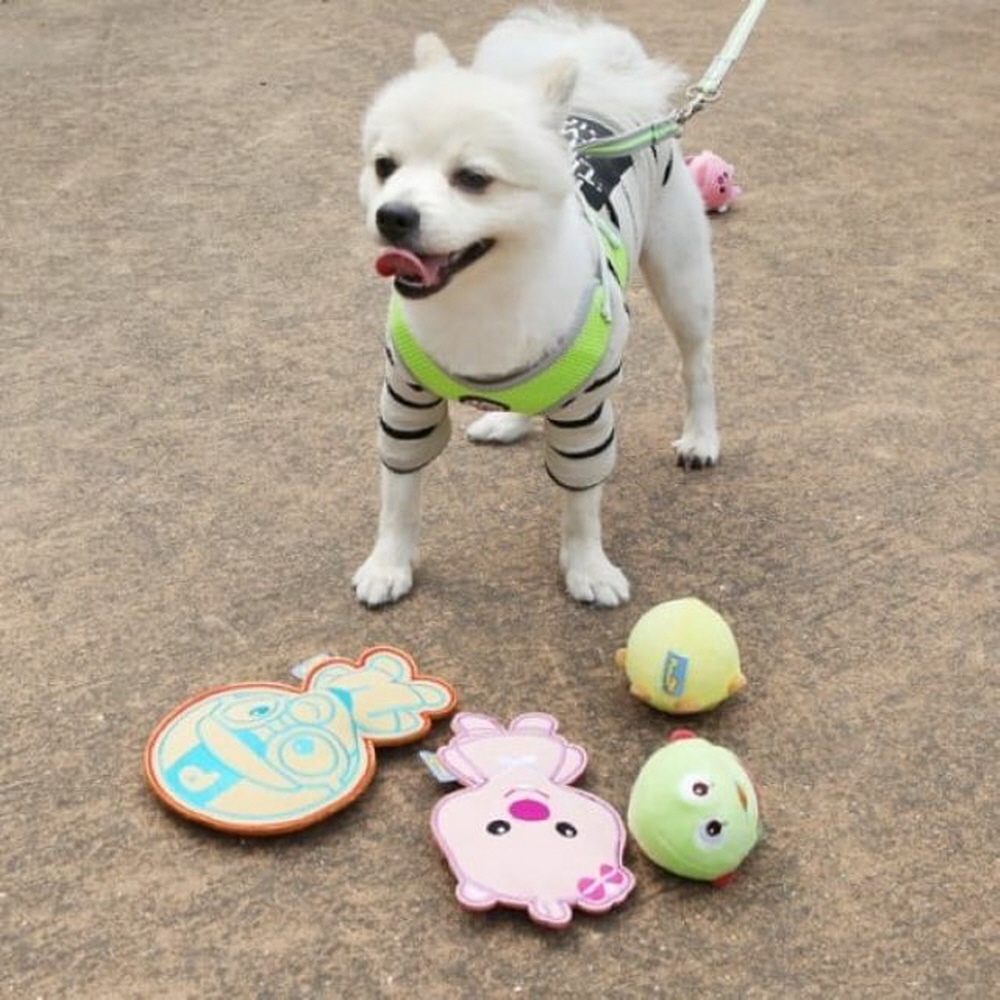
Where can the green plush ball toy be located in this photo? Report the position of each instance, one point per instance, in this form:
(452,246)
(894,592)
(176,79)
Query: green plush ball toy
(681,657)
(694,810)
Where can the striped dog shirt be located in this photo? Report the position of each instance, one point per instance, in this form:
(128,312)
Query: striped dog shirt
(572,387)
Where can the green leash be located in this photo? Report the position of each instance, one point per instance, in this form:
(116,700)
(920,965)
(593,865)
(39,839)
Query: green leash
(704,92)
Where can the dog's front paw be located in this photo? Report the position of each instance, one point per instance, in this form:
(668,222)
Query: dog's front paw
(697,450)
(382,581)
(498,428)
(594,579)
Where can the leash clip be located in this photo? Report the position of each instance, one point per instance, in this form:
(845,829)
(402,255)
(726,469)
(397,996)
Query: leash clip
(698,97)
(699,94)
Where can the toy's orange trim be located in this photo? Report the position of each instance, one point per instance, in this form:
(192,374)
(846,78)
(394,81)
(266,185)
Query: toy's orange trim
(272,829)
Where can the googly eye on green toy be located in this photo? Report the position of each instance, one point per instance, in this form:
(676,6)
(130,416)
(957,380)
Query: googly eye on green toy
(694,810)
(682,657)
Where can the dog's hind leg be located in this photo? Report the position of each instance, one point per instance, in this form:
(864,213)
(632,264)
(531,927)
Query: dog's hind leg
(676,262)
(498,428)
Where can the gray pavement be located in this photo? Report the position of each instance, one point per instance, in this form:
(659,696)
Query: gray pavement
(189,355)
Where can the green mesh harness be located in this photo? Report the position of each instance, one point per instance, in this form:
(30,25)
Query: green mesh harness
(541,389)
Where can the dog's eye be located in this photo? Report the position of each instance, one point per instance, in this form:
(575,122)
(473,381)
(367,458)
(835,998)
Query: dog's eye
(385,167)
(471,180)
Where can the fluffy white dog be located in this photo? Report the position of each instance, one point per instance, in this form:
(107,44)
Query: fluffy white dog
(509,254)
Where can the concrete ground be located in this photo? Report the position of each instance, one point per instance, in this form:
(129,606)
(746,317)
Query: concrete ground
(189,353)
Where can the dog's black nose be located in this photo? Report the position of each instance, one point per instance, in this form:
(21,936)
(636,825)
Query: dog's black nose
(397,221)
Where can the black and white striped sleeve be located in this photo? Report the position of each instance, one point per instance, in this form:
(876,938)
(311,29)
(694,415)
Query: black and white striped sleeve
(413,423)
(580,445)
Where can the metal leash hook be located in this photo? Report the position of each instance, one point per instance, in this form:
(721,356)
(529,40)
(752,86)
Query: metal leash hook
(698,97)
(706,91)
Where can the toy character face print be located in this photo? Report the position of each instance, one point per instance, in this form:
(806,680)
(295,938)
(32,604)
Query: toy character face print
(519,835)
(265,758)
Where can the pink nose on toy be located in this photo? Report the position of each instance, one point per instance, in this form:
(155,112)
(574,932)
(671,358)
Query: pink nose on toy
(529,810)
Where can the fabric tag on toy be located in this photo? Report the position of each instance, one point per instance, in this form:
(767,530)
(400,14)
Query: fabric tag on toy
(266,758)
(438,771)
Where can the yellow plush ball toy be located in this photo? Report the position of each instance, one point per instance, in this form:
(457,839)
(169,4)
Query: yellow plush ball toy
(682,657)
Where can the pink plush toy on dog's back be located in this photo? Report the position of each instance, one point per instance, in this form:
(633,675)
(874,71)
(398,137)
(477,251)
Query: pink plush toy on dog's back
(714,178)
(519,835)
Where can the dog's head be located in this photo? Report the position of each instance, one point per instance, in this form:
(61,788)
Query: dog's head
(458,163)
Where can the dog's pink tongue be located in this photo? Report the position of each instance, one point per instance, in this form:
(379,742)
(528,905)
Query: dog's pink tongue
(395,262)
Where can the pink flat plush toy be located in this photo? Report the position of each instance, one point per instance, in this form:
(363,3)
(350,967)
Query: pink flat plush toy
(519,834)
(714,178)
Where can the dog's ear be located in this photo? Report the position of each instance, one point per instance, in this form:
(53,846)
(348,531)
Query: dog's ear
(429,50)
(558,83)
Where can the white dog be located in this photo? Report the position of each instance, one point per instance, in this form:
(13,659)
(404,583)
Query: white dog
(510,255)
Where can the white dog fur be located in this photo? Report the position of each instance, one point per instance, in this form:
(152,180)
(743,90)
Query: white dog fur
(500,118)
